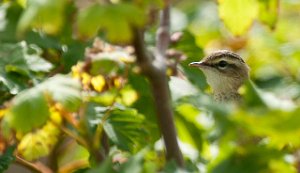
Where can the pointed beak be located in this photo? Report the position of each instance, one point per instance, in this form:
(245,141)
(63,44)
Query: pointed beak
(198,64)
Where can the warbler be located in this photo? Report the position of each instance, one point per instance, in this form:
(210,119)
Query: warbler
(225,72)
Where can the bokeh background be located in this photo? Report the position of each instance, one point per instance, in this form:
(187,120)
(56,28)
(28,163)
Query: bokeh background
(73,98)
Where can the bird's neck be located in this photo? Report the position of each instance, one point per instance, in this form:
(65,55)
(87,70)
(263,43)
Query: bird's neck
(227,96)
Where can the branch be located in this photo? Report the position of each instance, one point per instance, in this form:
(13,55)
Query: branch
(35,167)
(163,32)
(69,133)
(154,67)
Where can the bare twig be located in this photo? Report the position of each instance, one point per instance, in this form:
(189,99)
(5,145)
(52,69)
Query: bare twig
(35,167)
(154,67)
(69,133)
(163,32)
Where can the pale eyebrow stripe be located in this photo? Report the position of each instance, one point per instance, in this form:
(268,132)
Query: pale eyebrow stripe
(221,54)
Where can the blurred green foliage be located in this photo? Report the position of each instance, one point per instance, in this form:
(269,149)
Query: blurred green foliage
(6,159)
(66,93)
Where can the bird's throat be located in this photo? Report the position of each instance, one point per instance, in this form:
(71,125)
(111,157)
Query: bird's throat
(231,96)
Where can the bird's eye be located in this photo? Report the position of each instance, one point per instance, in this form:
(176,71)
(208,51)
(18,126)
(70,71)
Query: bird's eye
(222,64)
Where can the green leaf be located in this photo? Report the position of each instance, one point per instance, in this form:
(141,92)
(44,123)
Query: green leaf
(187,44)
(29,110)
(134,164)
(74,54)
(189,130)
(252,160)
(13,58)
(171,167)
(125,128)
(7,158)
(104,65)
(238,15)
(34,60)
(279,127)
(64,90)
(116,20)
(18,61)
(12,83)
(72,156)
(106,166)
(180,88)
(140,84)
(39,143)
(268,12)
(9,21)
(252,96)
(47,15)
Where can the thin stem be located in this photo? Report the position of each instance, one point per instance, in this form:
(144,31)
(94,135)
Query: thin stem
(154,67)
(163,32)
(68,132)
(35,167)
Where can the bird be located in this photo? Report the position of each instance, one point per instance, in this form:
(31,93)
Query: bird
(225,72)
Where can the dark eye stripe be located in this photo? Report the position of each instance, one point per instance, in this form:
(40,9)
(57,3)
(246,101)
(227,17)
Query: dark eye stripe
(229,66)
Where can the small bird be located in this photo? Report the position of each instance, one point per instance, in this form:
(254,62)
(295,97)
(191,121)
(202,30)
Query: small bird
(225,72)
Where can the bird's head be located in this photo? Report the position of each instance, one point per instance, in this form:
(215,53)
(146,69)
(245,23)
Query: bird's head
(225,71)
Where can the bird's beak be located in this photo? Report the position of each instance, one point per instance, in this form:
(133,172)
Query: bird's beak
(198,64)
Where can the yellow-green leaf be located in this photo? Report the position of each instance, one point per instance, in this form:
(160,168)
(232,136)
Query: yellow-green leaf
(238,15)
(72,157)
(116,20)
(46,15)
(268,12)
(39,143)
(29,110)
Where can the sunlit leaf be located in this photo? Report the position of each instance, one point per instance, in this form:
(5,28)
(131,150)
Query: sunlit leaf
(64,90)
(238,15)
(29,110)
(106,98)
(128,96)
(104,65)
(180,88)
(18,61)
(189,130)
(278,127)
(2,112)
(35,62)
(39,143)
(268,12)
(98,82)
